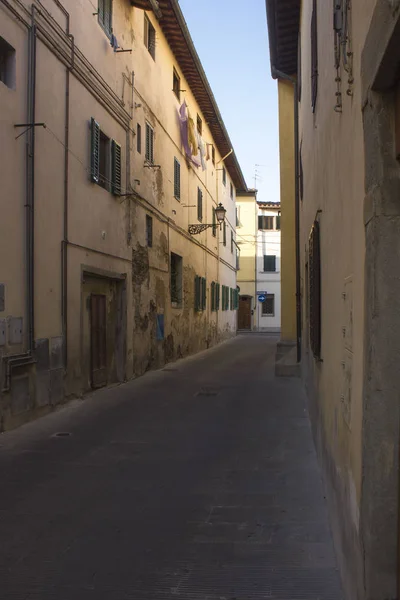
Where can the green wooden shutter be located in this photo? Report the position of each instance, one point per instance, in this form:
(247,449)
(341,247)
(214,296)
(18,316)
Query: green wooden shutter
(115,168)
(108,16)
(214,223)
(203,293)
(95,151)
(232,303)
(217,297)
(199,204)
(177,179)
(224,232)
(269,263)
(197,283)
(101,12)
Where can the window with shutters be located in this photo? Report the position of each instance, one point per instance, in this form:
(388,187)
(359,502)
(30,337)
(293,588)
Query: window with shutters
(139,138)
(149,37)
(7,64)
(149,231)
(200,293)
(214,223)
(269,263)
(106,163)
(224,233)
(177,179)
(314,274)
(232,242)
(199,204)
(213,155)
(314,57)
(278,222)
(217,296)
(237,260)
(231,186)
(265,222)
(176,84)
(176,280)
(105,15)
(199,125)
(268,306)
(213,296)
(104,160)
(149,144)
(224,175)
(115,168)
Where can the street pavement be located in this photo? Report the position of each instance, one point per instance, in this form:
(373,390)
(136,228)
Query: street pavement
(196,482)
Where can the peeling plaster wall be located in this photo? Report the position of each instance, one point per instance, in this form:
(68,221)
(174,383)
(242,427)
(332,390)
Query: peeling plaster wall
(106,234)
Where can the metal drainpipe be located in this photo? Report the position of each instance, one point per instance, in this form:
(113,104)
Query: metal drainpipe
(279,74)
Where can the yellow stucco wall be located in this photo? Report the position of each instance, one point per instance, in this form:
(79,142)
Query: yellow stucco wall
(246,239)
(287,184)
(108,233)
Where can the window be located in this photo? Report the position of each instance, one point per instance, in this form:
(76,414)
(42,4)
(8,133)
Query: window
(177,179)
(149,37)
(139,138)
(232,242)
(269,263)
(224,233)
(224,175)
(213,296)
(225,297)
(213,155)
(199,125)
(199,204)
(232,191)
(278,222)
(214,223)
(7,64)
(200,293)
(265,222)
(106,163)
(268,306)
(104,159)
(314,57)
(105,15)
(176,279)
(149,231)
(176,85)
(149,144)
(314,267)
(217,296)
(237,260)
(238,216)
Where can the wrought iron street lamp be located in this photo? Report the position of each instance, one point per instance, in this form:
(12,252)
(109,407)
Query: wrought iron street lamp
(220,213)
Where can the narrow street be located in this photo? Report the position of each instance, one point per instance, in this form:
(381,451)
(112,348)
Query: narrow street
(198,482)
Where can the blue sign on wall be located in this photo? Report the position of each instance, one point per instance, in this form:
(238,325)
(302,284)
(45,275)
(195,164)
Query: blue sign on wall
(262,298)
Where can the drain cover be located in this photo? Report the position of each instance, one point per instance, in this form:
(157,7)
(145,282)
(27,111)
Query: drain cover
(207,392)
(62,434)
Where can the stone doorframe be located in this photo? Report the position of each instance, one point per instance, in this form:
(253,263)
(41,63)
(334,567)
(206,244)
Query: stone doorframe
(381,398)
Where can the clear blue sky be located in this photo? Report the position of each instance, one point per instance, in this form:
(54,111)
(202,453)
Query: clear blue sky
(232,41)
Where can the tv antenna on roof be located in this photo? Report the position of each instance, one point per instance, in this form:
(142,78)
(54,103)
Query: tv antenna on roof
(257,176)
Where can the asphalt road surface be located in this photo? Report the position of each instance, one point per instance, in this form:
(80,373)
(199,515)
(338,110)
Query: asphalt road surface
(197,482)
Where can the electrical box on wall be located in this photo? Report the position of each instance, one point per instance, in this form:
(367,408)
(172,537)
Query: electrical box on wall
(15,330)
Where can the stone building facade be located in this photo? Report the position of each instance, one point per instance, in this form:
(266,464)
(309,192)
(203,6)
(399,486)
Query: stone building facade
(100,278)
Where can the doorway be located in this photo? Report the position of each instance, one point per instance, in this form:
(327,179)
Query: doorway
(98,340)
(244,314)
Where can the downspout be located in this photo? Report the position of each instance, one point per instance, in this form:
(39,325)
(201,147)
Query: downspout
(64,246)
(280,75)
(27,358)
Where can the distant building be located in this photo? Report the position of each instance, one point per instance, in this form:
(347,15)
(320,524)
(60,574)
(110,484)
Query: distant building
(268,250)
